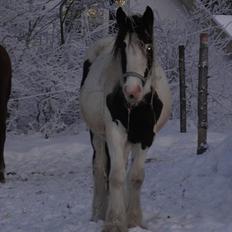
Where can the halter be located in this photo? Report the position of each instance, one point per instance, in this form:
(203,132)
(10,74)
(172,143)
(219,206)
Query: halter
(134,74)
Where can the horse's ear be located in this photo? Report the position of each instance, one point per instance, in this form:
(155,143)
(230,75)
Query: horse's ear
(148,18)
(121,17)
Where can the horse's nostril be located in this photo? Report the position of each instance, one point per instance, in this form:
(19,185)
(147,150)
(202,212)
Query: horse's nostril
(131,96)
(133,92)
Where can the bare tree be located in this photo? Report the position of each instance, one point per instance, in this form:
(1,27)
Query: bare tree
(63,13)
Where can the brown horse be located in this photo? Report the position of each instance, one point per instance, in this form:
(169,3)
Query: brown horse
(5,87)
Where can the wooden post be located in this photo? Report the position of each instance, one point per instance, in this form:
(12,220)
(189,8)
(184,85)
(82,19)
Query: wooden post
(182,89)
(202,94)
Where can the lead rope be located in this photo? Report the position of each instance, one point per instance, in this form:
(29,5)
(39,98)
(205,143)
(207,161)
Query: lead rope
(128,119)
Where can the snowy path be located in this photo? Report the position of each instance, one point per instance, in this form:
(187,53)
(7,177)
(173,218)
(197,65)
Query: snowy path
(49,184)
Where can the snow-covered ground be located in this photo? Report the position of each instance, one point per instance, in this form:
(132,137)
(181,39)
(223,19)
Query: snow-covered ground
(49,184)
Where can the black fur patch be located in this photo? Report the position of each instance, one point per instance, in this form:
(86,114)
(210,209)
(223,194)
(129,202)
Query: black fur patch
(94,151)
(123,58)
(142,117)
(86,68)
(108,164)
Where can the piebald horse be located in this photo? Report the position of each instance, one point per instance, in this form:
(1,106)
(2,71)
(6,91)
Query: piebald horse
(5,87)
(125,100)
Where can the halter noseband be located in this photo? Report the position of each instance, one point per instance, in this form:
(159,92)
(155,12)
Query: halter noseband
(134,74)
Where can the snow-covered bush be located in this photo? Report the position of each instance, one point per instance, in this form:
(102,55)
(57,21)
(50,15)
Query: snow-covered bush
(46,76)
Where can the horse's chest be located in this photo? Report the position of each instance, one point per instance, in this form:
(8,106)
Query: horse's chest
(140,125)
(139,121)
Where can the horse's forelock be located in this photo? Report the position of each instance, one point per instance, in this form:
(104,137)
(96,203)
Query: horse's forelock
(134,24)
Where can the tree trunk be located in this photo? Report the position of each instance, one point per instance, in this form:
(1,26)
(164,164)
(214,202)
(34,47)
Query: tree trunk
(202,94)
(182,89)
(62,40)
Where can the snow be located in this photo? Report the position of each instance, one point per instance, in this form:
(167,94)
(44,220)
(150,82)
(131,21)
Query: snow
(166,10)
(49,184)
(225,21)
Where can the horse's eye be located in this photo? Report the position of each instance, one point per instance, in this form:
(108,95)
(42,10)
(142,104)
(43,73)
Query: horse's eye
(149,48)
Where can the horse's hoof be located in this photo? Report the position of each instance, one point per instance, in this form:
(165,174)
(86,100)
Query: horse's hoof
(114,228)
(96,218)
(135,219)
(2,178)
(141,225)
(136,223)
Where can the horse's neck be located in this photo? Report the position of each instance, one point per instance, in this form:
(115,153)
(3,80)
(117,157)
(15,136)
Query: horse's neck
(112,76)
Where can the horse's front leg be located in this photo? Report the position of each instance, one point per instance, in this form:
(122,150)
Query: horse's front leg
(116,220)
(2,141)
(135,180)
(2,164)
(100,174)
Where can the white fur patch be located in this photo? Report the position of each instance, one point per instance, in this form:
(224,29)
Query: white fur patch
(160,84)
(136,58)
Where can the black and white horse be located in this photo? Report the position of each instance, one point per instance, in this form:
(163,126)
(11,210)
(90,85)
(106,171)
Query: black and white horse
(5,87)
(125,100)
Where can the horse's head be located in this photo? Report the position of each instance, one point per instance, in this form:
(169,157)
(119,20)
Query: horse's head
(134,47)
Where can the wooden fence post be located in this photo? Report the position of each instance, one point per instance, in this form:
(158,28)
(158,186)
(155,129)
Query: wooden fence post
(182,89)
(202,94)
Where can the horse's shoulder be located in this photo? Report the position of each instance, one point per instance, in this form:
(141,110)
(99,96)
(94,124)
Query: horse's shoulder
(161,86)
(157,72)
(5,63)
(4,56)
(2,48)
